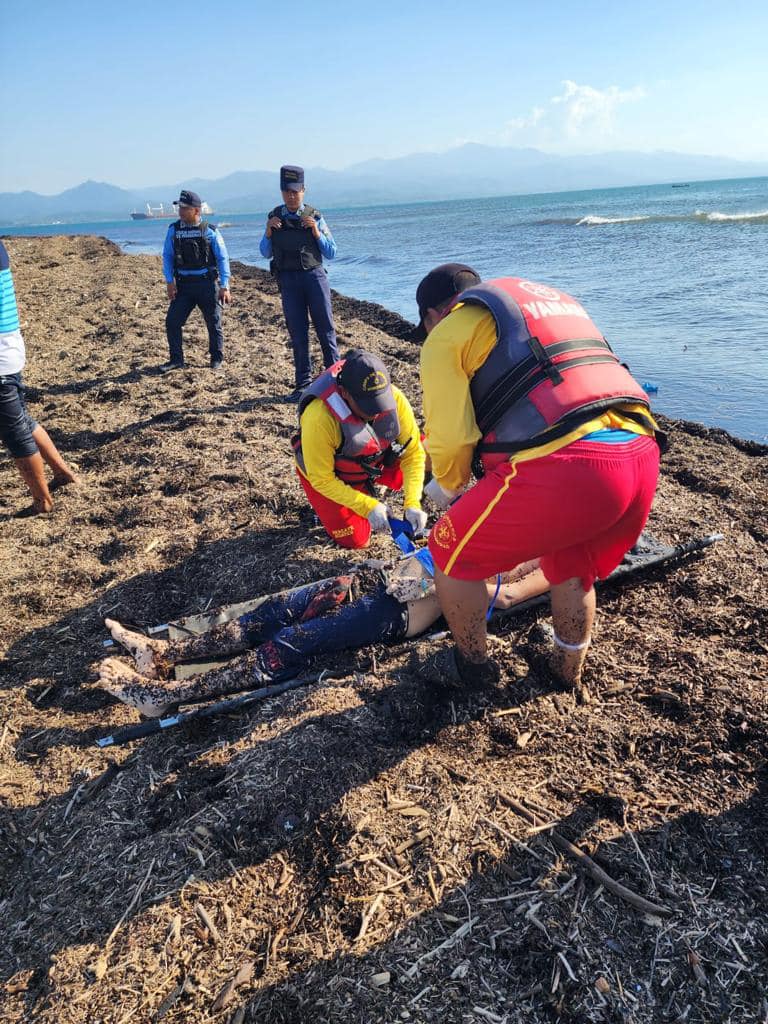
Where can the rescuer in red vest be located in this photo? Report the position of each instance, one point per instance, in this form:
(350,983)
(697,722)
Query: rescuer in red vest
(521,387)
(357,432)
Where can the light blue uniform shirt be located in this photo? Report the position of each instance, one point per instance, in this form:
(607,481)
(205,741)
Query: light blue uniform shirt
(325,242)
(219,251)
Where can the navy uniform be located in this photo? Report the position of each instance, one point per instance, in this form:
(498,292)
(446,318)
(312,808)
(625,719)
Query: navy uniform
(296,253)
(194,257)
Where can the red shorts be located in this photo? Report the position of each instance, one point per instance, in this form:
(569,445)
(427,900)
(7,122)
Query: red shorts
(579,510)
(346,527)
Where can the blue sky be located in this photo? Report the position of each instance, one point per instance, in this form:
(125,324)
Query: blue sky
(146,93)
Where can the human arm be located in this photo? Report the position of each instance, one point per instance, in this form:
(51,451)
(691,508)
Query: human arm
(222,260)
(521,584)
(413,458)
(320,438)
(324,238)
(454,351)
(265,245)
(168,260)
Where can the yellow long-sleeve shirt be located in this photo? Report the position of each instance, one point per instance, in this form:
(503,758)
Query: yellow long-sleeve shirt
(321,437)
(450,357)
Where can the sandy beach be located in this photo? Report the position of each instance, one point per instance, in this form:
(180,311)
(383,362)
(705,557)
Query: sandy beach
(345,853)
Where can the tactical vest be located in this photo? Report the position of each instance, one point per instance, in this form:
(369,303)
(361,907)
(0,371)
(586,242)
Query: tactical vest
(550,370)
(192,249)
(294,247)
(366,448)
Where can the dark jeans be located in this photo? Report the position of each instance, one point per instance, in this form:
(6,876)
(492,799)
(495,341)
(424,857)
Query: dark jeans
(16,425)
(306,293)
(201,292)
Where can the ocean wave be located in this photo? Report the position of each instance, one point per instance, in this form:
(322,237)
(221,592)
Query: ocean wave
(360,261)
(593,220)
(717,217)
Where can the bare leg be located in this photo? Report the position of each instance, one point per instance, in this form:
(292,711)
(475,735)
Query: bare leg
(422,614)
(464,604)
(573,614)
(33,474)
(62,474)
(154,699)
(134,689)
(151,656)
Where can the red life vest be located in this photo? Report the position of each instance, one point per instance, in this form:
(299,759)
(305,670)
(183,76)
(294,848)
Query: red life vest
(550,370)
(366,447)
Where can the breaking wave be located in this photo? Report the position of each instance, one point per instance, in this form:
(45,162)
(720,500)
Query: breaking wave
(762,215)
(593,220)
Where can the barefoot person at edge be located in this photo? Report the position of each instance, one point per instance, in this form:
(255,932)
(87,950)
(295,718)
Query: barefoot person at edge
(29,444)
(521,388)
(279,639)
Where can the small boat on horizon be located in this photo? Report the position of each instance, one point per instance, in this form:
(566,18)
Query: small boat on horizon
(682,184)
(160,213)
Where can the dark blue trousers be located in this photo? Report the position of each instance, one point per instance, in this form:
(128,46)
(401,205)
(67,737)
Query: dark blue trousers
(306,293)
(16,425)
(201,292)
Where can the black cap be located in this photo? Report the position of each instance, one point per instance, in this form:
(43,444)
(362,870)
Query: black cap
(439,286)
(366,378)
(187,198)
(291,178)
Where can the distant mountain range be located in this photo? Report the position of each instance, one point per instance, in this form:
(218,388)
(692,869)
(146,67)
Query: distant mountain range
(469,171)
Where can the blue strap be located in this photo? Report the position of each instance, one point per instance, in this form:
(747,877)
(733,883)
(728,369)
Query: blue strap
(402,534)
(492,605)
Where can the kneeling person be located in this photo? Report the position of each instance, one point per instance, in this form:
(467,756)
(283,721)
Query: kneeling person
(356,431)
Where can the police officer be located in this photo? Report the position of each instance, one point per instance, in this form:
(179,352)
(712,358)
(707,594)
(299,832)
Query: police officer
(194,256)
(296,239)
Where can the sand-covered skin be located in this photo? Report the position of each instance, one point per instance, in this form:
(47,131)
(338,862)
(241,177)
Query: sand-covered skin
(338,836)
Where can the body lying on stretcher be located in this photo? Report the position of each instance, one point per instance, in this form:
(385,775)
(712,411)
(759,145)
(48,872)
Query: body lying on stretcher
(243,647)
(279,638)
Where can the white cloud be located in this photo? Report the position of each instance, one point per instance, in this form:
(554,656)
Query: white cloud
(519,123)
(593,109)
(580,112)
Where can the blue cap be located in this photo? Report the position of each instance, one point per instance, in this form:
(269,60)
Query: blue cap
(291,178)
(187,198)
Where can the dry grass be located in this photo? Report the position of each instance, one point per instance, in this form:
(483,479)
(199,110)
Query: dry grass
(350,852)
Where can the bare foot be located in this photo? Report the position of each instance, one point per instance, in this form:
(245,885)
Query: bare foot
(149,655)
(133,689)
(42,508)
(63,479)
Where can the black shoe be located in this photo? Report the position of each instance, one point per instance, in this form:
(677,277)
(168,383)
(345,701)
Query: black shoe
(295,396)
(216,364)
(173,364)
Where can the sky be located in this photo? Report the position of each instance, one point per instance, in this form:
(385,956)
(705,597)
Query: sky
(143,93)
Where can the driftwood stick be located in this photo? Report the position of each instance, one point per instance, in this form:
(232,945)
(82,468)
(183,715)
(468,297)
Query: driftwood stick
(586,863)
(207,921)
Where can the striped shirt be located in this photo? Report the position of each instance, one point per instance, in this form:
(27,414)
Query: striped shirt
(9,313)
(11,342)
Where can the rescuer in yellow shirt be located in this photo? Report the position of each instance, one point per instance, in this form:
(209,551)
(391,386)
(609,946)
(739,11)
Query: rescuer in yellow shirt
(521,388)
(357,432)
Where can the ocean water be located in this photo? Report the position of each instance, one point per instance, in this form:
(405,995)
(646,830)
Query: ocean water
(676,278)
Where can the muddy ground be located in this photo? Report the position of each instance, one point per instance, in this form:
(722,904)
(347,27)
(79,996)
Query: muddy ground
(344,852)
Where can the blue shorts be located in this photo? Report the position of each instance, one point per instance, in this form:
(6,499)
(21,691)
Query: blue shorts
(16,425)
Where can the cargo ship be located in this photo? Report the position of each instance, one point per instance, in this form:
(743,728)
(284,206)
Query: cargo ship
(160,212)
